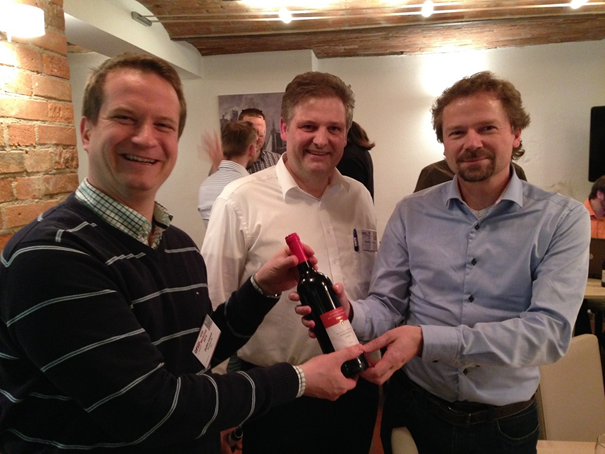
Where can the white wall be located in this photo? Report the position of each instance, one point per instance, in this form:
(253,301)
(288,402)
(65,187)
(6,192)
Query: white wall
(559,84)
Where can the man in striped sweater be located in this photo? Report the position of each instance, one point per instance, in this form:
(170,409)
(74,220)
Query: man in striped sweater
(102,300)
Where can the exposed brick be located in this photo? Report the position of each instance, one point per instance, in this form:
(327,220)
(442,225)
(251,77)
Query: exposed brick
(38,160)
(11,162)
(55,66)
(25,109)
(66,158)
(52,88)
(58,135)
(61,112)
(20,215)
(29,188)
(28,58)
(8,54)
(54,15)
(21,135)
(52,41)
(13,80)
(4,239)
(60,183)
(6,190)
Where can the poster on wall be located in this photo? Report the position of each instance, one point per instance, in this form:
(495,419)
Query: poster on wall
(230,106)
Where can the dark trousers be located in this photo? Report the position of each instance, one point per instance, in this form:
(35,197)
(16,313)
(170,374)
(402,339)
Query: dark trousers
(405,405)
(316,426)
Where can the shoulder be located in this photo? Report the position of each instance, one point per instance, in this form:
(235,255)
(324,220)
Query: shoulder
(534,195)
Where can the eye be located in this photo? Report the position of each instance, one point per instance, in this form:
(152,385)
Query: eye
(335,129)
(167,127)
(124,119)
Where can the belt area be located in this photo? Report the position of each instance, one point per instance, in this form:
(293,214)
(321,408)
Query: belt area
(467,413)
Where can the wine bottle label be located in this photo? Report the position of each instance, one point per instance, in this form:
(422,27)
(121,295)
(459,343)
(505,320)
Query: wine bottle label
(339,328)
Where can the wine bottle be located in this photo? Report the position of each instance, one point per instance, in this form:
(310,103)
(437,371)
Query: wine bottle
(332,326)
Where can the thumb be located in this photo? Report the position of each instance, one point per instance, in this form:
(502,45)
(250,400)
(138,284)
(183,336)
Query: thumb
(349,353)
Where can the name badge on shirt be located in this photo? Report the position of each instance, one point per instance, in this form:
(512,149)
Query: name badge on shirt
(206,341)
(365,240)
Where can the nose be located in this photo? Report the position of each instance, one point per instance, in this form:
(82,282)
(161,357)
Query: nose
(321,137)
(144,135)
(472,140)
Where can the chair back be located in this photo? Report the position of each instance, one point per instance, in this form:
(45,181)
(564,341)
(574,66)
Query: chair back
(571,401)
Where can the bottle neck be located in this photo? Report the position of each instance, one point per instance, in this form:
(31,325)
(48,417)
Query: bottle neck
(304,267)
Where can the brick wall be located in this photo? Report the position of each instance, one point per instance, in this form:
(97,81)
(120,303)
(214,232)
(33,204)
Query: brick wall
(38,156)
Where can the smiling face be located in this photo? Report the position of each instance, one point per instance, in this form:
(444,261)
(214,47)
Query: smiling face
(133,147)
(478,138)
(315,140)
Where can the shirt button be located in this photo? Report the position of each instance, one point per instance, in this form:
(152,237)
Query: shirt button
(474,262)
(465,371)
(471,298)
(477,226)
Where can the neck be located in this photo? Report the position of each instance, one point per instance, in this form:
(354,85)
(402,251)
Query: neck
(482,194)
(241,160)
(314,186)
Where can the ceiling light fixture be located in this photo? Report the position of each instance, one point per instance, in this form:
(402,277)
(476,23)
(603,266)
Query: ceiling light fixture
(22,21)
(427,8)
(285,15)
(140,19)
(575,4)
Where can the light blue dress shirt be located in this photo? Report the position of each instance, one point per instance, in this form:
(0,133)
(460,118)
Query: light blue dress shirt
(212,186)
(495,297)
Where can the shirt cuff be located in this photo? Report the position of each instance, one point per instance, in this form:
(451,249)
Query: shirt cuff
(440,343)
(302,382)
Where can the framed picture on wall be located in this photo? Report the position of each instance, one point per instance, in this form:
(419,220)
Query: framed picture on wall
(230,106)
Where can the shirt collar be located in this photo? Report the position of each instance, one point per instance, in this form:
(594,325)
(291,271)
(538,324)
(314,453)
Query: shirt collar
(124,218)
(512,192)
(288,184)
(226,164)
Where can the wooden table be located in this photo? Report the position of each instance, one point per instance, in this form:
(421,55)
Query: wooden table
(594,299)
(594,290)
(566,447)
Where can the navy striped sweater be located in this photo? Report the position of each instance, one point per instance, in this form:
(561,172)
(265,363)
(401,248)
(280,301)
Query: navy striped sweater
(96,338)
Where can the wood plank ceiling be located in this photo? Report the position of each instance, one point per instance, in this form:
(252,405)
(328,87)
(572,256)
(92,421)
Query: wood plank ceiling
(346,28)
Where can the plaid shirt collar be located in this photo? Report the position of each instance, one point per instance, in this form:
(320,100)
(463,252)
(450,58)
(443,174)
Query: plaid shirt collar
(123,218)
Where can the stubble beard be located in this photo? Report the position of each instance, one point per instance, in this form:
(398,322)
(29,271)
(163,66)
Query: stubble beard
(473,173)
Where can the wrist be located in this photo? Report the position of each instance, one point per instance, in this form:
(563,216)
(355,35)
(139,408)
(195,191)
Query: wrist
(260,289)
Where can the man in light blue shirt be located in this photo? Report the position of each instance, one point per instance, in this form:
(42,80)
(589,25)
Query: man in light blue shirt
(238,144)
(477,282)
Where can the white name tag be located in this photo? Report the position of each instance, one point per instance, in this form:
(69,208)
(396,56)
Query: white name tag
(369,240)
(206,342)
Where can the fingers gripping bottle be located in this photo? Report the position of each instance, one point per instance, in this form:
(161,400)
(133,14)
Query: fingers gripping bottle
(332,326)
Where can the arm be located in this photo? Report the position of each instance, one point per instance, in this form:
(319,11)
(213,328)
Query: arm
(224,250)
(211,145)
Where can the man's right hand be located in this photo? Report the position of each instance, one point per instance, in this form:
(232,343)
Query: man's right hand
(324,377)
(304,311)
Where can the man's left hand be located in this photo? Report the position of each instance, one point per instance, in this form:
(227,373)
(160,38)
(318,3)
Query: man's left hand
(402,344)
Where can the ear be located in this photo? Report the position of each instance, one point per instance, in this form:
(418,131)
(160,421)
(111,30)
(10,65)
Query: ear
(517,138)
(251,150)
(283,130)
(600,195)
(85,128)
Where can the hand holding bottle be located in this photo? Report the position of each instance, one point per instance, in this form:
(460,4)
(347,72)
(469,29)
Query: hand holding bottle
(305,311)
(279,273)
(324,377)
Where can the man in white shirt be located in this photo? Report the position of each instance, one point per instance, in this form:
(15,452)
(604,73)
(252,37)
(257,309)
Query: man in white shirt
(238,143)
(303,193)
